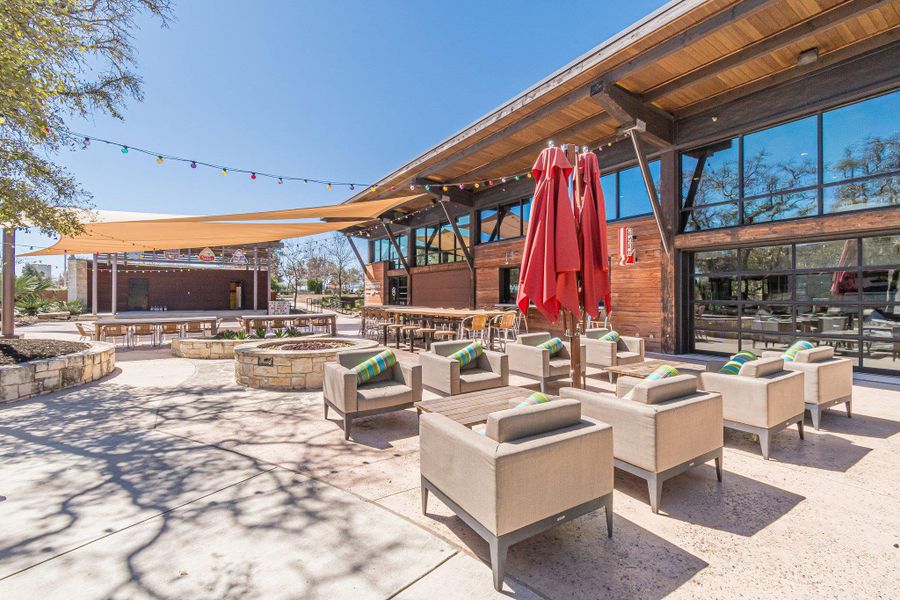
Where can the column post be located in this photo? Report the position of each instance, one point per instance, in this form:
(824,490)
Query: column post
(9,283)
(94,294)
(115,278)
(255,277)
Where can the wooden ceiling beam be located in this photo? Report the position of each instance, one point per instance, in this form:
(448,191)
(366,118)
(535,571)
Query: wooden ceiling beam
(624,107)
(832,18)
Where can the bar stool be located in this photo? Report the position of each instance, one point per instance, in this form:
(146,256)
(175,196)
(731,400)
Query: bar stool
(395,327)
(427,335)
(443,335)
(409,330)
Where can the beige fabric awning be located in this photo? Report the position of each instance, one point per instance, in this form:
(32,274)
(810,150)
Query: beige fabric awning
(139,236)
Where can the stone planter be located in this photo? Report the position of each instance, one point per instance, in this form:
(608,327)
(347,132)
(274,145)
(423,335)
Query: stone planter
(49,374)
(205,348)
(262,364)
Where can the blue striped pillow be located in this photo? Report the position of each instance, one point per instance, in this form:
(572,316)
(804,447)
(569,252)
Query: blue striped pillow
(733,366)
(662,372)
(791,353)
(554,345)
(468,354)
(376,365)
(535,398)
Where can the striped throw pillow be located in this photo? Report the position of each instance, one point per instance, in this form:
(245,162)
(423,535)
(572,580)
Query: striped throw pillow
(376,365)
(468,354)
(553,345)
(791,353)
(612,336)
(733,366)
(662,372)
(535,398)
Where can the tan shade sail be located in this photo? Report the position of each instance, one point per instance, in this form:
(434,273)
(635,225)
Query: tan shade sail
(352,212)
(135,236)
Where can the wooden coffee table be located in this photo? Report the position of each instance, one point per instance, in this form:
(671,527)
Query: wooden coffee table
(642,369)
(473,408)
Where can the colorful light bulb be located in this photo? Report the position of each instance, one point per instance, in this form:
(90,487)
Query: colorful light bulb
(159,160)
(427,188)
(193,164)
(329,186)
(374,189)
(224,172)
(445,188)
(352,187)
(460,186)
(477,185)
(124,149)
(280,181)
(252,175)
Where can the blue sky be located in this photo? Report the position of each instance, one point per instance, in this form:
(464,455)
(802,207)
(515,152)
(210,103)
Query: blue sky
(344,90)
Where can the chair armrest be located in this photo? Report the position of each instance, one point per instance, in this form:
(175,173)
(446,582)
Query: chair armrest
(340,387)
(529,359)
(624,384)
(460,463)
(351,358)
(411,376)
(825,380)
(757,401)
(496,362)
(440,372)
(634,344)
(771,354)
(543,475)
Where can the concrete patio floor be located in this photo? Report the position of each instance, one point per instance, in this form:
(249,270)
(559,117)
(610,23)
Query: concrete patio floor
(167,480)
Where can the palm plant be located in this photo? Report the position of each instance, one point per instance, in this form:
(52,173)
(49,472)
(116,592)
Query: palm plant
(29,286)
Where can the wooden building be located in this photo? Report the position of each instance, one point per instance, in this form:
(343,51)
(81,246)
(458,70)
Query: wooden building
(771,131)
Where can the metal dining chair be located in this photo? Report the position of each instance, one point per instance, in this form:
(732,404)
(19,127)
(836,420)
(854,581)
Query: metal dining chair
(114,332)
(141,330)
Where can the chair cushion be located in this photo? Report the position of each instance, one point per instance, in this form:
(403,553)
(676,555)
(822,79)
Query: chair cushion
(796,347)
(762,367)
(533,399)
(733,366)
(382,394)
(468,354)
(612,336)
(554,345)
(376,365)
(814,355)
(560,366)
(475,379)
(515,423)
(661,372)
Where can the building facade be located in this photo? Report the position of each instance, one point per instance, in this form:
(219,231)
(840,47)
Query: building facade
(775,156)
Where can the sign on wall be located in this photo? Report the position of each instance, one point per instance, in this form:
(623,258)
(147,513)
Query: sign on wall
(239,258)
(172,254)
(626,246)
(280,307)
(207,255)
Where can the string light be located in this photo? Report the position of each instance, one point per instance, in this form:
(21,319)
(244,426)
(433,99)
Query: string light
(280,181)
(193,164)
(159,160)
(124,149)
(224,172)
(252,175)
(329,186)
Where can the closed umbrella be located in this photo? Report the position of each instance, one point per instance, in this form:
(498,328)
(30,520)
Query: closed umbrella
(590,214)
(550,258)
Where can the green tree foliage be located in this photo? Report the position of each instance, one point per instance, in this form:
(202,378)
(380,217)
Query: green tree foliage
(58,59)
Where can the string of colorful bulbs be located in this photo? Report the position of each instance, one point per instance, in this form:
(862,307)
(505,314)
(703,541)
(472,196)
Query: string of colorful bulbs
(161,157)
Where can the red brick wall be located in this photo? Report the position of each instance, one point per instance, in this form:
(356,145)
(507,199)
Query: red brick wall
(447,285)
(182,289)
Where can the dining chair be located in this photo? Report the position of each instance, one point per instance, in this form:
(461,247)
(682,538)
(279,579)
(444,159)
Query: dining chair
(143,330)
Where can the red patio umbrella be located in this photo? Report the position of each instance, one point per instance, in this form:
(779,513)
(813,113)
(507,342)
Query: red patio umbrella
(550,258)
(590,214)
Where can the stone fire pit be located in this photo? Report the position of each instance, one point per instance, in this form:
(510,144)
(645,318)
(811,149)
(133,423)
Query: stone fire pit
(290,363)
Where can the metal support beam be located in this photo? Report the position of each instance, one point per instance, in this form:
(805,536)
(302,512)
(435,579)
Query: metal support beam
(115,279)
(94,284)
(9,283)
(255,277)
(396,246)
(359,257)
(458,234)
(268,278)
(624,107)
(635,134)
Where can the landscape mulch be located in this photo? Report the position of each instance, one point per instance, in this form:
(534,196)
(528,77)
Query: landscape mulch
(18,351)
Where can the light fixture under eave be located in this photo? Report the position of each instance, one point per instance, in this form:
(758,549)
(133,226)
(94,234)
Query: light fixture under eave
(808,57)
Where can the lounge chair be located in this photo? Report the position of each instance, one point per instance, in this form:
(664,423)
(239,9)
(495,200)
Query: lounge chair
(526,357)
(397,388)
(440,372)
(666,428)
(827,381)
(534,468)
(602,353)
(762,398)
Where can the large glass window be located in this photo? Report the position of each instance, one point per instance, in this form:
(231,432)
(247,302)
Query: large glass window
(383,250)
(437,244)
(624,192)
(505,222)
(844,293)
(774,174)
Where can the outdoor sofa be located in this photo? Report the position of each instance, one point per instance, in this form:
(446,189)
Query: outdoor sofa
(446,375)
(526,357)
(397,388)
(534,468)
(602,353)
(664,429)
(827,380)
(762,398)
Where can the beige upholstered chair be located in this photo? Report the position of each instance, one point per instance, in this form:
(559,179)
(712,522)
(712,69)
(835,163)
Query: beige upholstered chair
(600,353)
(442,373)
(762,398)
(534,468)
(395,389)
(526,358)
(827,381)
(666,428)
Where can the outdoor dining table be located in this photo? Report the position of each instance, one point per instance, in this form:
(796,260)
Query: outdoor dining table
(250,322)
(429,315)
(99,324)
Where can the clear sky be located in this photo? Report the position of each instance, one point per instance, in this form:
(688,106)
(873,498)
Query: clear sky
(344,90)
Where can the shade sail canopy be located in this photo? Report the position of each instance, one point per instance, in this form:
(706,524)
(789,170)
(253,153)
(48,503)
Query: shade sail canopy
(352,212)
(136,236)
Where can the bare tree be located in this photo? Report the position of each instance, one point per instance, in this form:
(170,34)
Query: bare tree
(292,266)
(340,256)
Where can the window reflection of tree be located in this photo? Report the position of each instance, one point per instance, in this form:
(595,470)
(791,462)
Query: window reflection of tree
(873,156)
(774,179)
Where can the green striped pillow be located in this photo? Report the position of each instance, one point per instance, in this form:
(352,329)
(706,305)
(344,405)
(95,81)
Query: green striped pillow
(374,366)
(612,336)
(535,398)
(662,372)
(468,354)
(791,353)
(554,345)
(733,366)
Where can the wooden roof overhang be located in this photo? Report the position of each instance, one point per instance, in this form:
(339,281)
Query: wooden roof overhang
(683,59)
